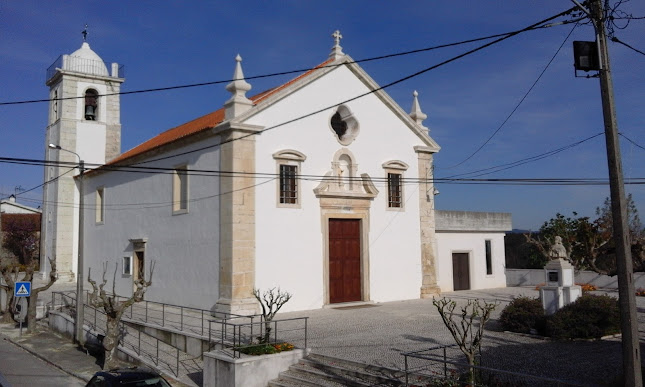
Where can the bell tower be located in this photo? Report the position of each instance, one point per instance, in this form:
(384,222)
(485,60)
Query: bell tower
(84,124)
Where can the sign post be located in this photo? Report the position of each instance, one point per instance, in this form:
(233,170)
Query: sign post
(21,290)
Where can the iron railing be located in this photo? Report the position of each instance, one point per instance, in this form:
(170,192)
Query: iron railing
(442,364)
(234,336)
(182,318)
(87,66)
(161,354)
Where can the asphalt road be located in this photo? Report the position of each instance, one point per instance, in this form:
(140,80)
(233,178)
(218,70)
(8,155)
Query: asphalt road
(20,368)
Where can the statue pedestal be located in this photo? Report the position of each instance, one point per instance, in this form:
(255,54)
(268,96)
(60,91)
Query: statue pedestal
(560,289)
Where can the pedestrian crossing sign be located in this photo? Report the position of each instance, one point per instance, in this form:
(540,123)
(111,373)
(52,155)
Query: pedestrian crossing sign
(22,289)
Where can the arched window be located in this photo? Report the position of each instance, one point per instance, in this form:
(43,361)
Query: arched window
(91,104)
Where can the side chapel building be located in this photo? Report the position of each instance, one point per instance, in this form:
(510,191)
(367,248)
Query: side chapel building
(334,207)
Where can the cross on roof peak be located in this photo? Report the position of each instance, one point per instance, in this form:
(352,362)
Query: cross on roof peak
(337,50)
(337,37)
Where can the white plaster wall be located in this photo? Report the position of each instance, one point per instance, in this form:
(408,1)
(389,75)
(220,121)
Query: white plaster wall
(9,208)
(90,142)
(473,244)
(185,247)
(289,242)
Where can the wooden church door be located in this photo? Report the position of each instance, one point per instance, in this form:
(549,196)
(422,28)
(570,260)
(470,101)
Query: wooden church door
(344,260)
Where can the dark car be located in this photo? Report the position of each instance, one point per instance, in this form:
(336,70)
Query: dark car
(136,376)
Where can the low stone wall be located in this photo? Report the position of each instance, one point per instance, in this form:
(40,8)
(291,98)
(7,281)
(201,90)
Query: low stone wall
(533,277)
(249,371)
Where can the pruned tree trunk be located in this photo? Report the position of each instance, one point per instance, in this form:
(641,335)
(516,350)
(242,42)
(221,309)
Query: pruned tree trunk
(33,300)
(10,275)
(114,310)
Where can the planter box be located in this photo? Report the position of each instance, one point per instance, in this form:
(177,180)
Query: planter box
(247,371)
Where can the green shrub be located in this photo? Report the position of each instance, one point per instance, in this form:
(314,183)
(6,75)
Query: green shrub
(522,315)
(589,317)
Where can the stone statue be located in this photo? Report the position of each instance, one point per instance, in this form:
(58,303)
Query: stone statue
(558,250)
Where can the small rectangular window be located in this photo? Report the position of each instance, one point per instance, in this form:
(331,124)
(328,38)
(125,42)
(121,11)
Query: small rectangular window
(288,184)
(180,190)
(100,205)
(394,190)
(127,265)
(489,258)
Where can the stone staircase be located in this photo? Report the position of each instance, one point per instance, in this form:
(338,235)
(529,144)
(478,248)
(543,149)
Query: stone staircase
(320,370)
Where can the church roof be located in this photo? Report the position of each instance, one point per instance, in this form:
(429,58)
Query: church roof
(202,123)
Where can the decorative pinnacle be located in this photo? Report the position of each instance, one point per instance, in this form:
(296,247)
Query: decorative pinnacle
(84,32)
(415,113)
(337,50)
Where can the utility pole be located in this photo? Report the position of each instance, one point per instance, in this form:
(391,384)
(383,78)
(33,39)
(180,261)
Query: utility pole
(624,264)
(80,302)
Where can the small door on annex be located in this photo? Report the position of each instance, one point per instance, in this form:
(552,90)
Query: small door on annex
(344,260)
(460,271)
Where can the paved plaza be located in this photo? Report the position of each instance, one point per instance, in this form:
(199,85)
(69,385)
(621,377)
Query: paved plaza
(378,333)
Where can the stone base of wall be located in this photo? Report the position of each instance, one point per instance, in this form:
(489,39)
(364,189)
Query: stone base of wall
(248,371)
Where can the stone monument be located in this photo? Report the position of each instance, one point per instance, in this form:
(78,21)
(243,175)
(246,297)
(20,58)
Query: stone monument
(560,289)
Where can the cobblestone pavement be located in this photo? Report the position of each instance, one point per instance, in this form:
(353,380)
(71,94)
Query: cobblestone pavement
(378,334)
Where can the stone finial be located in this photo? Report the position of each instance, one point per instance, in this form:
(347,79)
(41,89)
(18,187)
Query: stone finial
(337,50)
(415,113)
(238,103)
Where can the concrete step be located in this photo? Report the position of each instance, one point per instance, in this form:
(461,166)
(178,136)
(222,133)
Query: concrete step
(319,370)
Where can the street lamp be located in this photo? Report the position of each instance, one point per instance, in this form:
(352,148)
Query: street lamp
(80,306)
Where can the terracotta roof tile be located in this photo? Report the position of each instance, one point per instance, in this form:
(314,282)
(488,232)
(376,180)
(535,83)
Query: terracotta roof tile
(202,123)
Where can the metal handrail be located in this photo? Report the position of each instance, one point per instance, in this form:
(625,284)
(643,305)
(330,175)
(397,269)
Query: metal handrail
(123,342)
(539,380)
(184,315)
(234,337)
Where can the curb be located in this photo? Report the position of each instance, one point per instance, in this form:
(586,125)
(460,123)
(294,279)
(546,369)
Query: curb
(71,373)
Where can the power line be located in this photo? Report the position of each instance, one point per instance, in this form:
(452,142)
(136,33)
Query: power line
(517,163)
(506,36)
(191,85)
(615,39)
(518,104)
(630,140)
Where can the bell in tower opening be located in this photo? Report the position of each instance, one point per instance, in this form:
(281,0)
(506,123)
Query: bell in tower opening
(91,98)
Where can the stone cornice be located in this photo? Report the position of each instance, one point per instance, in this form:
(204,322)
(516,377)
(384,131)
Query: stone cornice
(61,72)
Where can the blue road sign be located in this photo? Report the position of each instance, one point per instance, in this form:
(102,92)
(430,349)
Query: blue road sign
(22,289)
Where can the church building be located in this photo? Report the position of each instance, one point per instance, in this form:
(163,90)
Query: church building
(322,186)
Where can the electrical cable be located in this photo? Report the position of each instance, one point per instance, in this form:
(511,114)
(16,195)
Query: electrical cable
(615,39)
(469,52)
(630,140)
(518,104)
(526,160)
(387,56)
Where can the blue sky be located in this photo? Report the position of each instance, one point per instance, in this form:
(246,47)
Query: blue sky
(166,43)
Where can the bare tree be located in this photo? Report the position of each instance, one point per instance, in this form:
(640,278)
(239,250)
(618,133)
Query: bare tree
(466,326)
(33,299)
(114,310)
(271,301)
(10,274)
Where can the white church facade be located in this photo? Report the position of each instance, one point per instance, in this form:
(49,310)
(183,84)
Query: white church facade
(304,187)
